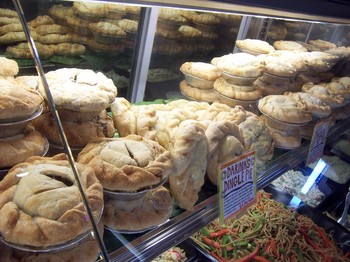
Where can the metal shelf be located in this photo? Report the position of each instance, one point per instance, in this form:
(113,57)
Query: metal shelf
(176,230)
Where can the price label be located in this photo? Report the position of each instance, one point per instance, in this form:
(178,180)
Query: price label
(318,141)
(237,185)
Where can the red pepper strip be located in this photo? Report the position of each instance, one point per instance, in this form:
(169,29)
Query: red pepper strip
(326,240)
(274,247)
(267,248)
(314,244)
(220,259)
(215,244)
(251,255)
(261,259)
(219,233)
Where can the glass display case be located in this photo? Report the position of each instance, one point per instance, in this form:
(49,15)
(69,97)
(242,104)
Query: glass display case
(137,50)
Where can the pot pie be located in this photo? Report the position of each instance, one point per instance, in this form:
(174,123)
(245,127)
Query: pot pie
(17,101)
(40,205)
(77,133)
(17,148)
(86,250)
(255,45)
(225,88)
(138,214)
(81,90)
(240,64)
(201,70)
(127,164)
(283,108)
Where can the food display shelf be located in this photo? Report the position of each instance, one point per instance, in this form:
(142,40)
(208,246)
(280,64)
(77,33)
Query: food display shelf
(181,227)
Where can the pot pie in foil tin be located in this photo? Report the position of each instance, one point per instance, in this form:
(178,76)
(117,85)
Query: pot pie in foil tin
(127,164)
(41,206)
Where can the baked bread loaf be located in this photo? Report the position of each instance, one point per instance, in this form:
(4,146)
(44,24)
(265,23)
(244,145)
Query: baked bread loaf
(43,208)
(127,164)
(17,148)
(284,109)
(78,134)
(225,143)
(17,101)
(80,90)
(150,210)
(255,45)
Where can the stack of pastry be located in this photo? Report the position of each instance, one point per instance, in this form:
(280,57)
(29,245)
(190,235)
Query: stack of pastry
(198,135)
(42,212)
(19,105)
(81,97)
(199,81)
(238,73)
(131,170)
(284,116)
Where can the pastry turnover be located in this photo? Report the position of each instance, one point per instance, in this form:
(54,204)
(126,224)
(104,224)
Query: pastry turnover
(40,205)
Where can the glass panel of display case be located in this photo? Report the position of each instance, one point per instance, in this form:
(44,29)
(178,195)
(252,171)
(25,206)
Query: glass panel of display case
(186,35)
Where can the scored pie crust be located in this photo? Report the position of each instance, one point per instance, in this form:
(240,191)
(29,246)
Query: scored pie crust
(127,164)
(40,204)
(80,90)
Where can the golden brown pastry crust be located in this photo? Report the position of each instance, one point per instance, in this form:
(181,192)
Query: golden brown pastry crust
(150,210)
(78,133)
(284,109)
(21,51)
(16,149)
(41,209)
(289,45)
(257,136)
(202,70)
(81,90)
(255,45)
(240,64)
(225,143)
(310,103)
(8,67)
(17,100)
(127,164)
(206,95)
(237,92)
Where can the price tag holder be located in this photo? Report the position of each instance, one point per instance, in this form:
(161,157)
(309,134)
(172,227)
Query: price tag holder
(237,186)
(318,141)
